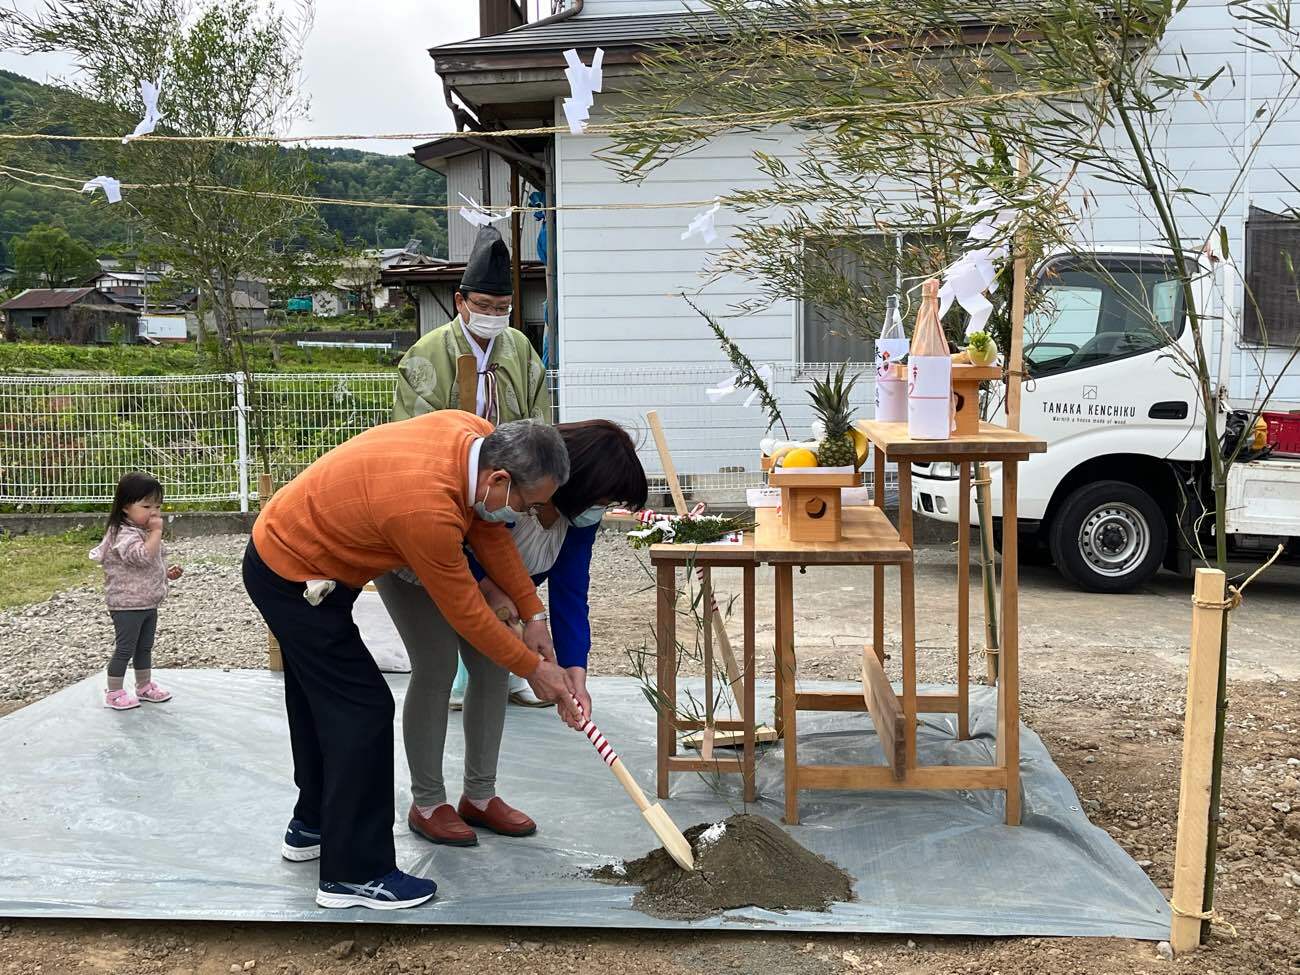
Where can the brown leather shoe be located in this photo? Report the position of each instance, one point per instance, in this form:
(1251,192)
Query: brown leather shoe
(498,817)
(441,826)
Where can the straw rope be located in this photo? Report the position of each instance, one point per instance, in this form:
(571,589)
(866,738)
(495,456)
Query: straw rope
(707,123)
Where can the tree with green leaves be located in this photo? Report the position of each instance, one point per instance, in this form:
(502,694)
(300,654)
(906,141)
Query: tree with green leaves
(50,257)
(903,120)
(224,68)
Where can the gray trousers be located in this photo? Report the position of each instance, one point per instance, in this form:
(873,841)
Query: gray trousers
(433,645)
(134,629)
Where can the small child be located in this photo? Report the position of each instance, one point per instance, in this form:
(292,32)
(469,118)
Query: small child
(135,583)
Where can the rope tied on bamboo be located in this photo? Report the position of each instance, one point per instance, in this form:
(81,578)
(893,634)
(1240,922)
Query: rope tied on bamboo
(1216,919)
(1236,593)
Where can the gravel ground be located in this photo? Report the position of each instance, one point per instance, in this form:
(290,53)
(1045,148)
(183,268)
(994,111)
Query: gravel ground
(1103,682)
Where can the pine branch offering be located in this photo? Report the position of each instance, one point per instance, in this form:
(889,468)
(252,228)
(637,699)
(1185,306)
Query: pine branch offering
(688,530)
(748,376)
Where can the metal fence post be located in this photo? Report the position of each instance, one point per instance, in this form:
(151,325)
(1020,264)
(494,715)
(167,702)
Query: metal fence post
(241,439)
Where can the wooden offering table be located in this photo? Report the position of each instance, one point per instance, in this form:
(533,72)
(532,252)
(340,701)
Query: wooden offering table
(667,558)
(991,444)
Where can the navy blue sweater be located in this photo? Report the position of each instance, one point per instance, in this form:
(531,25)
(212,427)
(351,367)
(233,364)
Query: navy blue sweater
(570,579)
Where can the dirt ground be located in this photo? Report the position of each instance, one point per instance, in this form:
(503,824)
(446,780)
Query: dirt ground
(1103,681)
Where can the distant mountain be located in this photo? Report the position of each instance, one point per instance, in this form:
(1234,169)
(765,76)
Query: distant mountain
(344,173)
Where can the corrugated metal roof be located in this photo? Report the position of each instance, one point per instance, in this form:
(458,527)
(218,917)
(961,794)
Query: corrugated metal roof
(633,30)
(630,30)
(47,298)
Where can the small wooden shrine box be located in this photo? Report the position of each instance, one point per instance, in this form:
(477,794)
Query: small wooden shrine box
(811,510)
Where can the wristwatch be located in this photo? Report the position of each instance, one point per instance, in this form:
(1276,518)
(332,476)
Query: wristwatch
(541,617)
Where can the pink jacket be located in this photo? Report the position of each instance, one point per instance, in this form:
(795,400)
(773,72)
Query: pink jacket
(132,579)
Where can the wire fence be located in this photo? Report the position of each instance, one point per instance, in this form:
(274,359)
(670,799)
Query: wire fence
(65,440)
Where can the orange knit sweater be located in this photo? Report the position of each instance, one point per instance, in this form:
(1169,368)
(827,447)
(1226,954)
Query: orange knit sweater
(398,495)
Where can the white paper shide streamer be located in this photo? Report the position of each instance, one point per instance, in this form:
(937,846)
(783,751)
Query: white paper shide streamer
(729,386)
(968,278)
(149,92)
(583,82)
(112,188)
(702,226)
(477,214)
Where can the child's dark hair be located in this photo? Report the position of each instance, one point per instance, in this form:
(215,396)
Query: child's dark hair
(134,486)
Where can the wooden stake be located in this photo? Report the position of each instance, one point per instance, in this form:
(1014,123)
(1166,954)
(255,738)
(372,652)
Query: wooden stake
(1016,360)
(670,472)
(1198,747)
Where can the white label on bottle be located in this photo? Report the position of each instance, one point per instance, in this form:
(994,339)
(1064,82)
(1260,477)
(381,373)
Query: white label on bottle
(891,400)
(927,419)
(888,352)
(929,375)
(929,397)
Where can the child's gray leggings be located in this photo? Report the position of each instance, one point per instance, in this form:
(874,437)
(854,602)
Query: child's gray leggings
(135,631)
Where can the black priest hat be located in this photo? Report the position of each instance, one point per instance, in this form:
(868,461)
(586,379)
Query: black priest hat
(488,269)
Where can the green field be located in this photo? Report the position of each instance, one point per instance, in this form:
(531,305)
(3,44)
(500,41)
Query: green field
(35,567)
(18,358)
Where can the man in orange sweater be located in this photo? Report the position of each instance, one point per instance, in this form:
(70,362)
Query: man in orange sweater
(413,494)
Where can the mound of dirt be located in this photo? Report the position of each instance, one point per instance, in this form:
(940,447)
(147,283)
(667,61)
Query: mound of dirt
(744,861)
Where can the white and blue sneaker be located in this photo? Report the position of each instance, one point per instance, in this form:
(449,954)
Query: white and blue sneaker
(388,893)
(300,842)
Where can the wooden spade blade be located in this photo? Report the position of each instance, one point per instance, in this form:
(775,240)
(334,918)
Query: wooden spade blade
(671,837)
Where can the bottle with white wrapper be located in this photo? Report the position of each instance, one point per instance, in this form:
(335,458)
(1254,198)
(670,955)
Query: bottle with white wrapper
(891,348)
(929,372)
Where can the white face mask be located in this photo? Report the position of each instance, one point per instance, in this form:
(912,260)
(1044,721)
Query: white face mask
(591,516)
(506,514)
(486,326)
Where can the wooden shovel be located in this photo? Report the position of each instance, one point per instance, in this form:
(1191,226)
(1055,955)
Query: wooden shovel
(674,842)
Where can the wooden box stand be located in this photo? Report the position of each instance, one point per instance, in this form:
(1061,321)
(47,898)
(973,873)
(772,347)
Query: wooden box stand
(810,504)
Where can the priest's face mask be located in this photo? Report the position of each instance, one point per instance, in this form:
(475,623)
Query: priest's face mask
(481,304)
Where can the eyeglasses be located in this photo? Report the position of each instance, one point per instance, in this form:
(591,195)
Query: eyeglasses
(487,308)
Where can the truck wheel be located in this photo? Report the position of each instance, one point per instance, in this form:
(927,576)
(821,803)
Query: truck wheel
(1109,536)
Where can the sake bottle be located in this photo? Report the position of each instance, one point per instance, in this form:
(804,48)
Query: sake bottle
(929,372)
(891,349)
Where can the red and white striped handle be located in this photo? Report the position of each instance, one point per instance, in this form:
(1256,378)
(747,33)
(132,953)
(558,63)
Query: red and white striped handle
(603,747)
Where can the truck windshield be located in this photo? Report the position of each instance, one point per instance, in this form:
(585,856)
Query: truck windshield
(1094,311)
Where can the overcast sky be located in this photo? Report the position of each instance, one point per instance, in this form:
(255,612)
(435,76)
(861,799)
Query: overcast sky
(366,65)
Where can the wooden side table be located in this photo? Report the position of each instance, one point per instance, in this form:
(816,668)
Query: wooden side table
(868,539)
(667,559)
(990,444)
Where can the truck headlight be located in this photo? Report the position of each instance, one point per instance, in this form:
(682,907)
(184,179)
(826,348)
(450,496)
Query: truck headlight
(944,471)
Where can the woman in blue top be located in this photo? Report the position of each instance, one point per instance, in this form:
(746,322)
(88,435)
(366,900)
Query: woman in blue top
(555,543)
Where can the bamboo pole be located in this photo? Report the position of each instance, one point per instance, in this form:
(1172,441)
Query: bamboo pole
(1015,371)
(1203,670)
(988,574)
(1019,274)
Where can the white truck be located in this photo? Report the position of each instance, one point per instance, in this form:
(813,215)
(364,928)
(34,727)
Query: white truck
(1111,500)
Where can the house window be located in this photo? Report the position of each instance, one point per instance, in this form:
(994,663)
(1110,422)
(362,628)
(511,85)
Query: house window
(1272,304)
(869,269)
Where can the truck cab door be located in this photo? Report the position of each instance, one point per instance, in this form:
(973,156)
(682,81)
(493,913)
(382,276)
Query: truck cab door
(1101,376)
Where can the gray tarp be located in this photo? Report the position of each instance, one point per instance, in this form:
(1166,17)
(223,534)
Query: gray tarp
(177,811)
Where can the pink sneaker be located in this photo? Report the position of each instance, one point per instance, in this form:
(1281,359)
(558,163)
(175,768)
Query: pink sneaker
(120,701)
(152,693)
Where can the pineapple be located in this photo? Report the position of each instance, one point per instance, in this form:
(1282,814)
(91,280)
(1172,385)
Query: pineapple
(831,402)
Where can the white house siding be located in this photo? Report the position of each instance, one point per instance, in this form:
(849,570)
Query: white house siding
(619,270)
(465,176)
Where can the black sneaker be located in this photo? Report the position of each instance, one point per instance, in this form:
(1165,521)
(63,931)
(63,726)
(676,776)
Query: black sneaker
(300,842)
(396,890)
